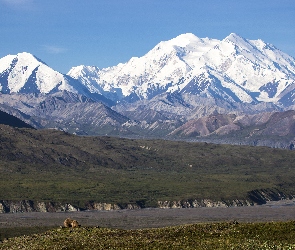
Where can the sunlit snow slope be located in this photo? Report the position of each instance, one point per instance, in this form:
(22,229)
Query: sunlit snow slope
(234,69)
(24,73)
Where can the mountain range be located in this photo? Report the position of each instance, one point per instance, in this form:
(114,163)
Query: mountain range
(234,69)
(180,85)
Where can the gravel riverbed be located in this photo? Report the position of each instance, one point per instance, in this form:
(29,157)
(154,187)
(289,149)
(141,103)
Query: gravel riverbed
(154,217)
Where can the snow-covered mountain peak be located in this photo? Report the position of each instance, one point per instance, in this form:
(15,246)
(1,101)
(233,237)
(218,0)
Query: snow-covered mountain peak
(251,69)
(25,73)
(16,70)
(89,76)
(27,56)
(84,70)
(24,57)
(236,44)
(233,69)
(234,37)
(184,40)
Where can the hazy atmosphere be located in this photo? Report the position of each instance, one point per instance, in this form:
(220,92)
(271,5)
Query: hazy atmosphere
(67,33)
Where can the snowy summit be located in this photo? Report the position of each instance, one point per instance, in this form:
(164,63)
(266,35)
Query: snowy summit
(234,69)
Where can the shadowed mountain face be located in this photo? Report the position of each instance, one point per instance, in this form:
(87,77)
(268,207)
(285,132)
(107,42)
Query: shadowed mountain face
(12,121)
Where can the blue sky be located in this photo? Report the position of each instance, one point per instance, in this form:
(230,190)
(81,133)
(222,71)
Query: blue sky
(67,33)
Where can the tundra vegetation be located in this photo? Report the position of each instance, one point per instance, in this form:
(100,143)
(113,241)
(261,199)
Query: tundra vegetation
(225,235)
(50,165)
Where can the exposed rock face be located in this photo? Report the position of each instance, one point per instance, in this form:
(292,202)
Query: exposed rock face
(263,195)
(262,124)
(255,197)
(203,203)
(102,206)
(23,206)
(108,206)
(34,206)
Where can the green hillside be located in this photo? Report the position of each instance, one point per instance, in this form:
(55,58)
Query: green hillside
(49,165)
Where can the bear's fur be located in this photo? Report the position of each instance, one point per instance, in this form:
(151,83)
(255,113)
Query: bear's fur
(75,224)
(71,223)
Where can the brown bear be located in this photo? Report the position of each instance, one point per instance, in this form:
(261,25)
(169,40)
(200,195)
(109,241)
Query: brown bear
(71,223)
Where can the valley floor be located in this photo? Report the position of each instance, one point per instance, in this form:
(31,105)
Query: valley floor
(154,218)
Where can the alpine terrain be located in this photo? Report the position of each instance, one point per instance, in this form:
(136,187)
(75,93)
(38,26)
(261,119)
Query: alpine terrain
(235,90)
